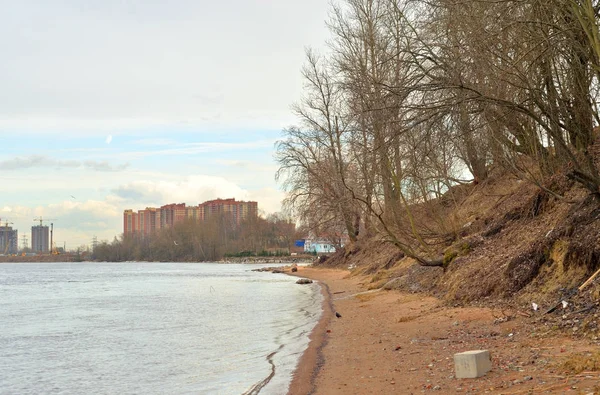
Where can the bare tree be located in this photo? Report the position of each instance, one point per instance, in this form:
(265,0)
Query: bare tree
(313,157)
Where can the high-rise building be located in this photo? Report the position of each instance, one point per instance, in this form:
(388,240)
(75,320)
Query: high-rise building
(9,240)
(40,240)
(130,222)
(236,210)
(172,214)
(148,221)
(194,213)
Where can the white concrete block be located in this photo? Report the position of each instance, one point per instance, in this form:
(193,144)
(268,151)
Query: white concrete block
(472,364)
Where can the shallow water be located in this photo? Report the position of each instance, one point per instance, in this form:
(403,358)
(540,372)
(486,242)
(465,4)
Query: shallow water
(133,328)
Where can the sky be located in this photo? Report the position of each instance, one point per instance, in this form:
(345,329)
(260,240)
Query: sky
(124,104)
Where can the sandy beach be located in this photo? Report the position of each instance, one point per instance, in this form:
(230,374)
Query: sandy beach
(388,342)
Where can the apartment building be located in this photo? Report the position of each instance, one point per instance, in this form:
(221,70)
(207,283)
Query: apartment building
(130,222)
(194,213)
(151,219)
(236,210)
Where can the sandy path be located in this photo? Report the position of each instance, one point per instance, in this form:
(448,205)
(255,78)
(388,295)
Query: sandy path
(389,342)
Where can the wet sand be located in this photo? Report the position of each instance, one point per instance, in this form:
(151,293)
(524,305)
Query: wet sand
(389,342)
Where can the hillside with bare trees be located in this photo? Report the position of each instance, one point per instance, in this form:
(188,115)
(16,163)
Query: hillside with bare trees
(455,143)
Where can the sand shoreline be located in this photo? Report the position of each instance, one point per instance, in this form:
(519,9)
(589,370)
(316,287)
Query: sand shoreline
(303,381)
(393,342)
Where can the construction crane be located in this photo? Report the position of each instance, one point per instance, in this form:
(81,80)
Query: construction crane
(42,219)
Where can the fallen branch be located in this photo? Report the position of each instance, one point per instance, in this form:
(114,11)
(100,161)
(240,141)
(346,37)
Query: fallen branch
(589,280)
(581,288)
(585,309)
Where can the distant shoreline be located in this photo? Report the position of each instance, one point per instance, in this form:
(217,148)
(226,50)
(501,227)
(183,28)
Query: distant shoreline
(269,259)
(39,258)
(74,258)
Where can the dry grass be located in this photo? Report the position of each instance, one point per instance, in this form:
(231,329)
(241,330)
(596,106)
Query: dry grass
(379,279)
(514,242)
(586,362)
(407,318)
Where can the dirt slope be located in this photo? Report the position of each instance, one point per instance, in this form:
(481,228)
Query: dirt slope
(517,245)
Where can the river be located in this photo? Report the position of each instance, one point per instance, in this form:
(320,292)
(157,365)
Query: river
(151,328)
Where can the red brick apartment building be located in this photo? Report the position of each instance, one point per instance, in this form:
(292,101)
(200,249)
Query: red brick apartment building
(151,219)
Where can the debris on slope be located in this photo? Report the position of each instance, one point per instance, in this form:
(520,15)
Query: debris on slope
(519,244)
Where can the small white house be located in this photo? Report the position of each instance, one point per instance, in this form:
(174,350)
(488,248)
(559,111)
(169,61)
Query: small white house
(318,246)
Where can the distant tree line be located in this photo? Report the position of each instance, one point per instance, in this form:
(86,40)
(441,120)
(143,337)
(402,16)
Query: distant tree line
(415,97)
(207,241)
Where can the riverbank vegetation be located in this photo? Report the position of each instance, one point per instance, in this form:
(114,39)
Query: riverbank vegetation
(208,241)
(457,135)
(415,100)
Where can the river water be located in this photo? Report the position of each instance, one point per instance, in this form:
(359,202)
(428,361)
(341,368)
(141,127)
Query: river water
(151,328)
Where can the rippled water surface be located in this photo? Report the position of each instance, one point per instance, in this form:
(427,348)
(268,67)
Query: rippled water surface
(148,328)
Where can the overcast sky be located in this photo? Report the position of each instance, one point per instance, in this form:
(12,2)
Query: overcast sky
(120,104)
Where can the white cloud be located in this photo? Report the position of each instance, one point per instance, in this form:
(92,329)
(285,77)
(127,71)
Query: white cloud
(269,199)
(17,211)
(43,161)
(191,190)
(194,190)
(108,139)
(200,148)
(99,209)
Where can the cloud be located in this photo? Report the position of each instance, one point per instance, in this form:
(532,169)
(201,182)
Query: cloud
(17,212)
(104,166)
(77,223)
(201,148)
(33,161)
(96,208)
(269,199)
(36,161)
(138,191)
(108,139)
(254,166)
(191,190)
